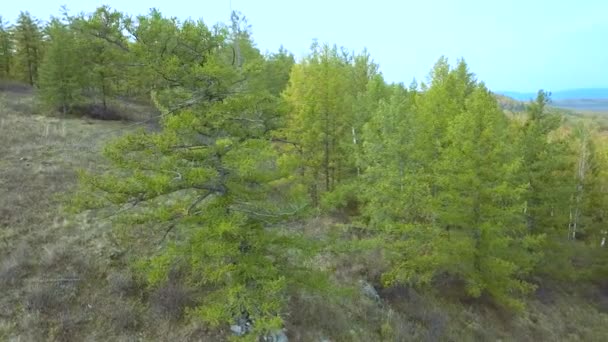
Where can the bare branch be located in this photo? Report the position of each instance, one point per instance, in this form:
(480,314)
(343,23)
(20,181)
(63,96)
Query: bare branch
(166,233)
(57,280)
(198,200)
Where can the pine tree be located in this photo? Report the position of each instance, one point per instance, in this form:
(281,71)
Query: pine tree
(322,119)
(106,47)
(205,180)
(479,233)
(313,97)
(62,70)
(480,203)
(28,48)
(6,50)
(388,137)
(548,169)
(438,103)
(276,71)
(592,234)
(541,158)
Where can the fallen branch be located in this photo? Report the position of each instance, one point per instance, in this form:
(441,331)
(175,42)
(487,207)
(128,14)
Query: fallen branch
(57,280)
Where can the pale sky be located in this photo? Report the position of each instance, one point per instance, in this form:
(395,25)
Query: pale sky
(518,45)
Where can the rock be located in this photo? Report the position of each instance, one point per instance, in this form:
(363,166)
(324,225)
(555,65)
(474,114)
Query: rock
(238,330)
(369,291)
(242,326)
(276,336)
(115,253)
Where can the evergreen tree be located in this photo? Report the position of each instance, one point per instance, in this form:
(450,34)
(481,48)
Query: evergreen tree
(206,178)
(548,169)
(106,48)
(322,119)
(315,112)
(28,48)
(276,71)
(6,50)
(438,103)
(479,233)
(592,232)
(62,70)
(387,185)
(541,162)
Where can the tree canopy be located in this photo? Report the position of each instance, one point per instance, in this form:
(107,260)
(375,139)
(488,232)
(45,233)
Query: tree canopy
(443,181)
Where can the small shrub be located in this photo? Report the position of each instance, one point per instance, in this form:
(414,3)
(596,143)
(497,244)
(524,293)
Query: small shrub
(121,283)
(43,299)
(14,267)
(34,327)
(430,321)
(10,273)
(65,328)
(313,317)
(125,318)
(54,255)
(97,112)
(170,300)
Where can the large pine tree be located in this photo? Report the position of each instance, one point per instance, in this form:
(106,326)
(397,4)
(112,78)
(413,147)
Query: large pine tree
(207,181)
(62,70)
(479,204)
(6,50)
(28,48)
(323,117)
(105,53)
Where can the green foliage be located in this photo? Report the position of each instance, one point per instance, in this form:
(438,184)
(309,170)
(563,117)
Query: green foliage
(103,50)
(443,187)
(276,71)
(210,177)
(478,203)
(323,117)
(430,184)
(390,189)
(543,161)
(6,50)
(28,48)
(445,183)
(62,72)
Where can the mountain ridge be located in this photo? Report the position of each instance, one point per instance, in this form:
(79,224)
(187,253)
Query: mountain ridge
(567,94)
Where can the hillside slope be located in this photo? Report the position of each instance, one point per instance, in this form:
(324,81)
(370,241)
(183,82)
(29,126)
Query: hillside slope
(64,277)
(589,93)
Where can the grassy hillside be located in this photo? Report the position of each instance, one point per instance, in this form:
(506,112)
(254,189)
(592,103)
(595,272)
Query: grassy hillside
(64,277)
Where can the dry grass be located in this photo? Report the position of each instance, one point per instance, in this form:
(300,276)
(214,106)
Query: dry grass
(15,266)
(45,299)
(48,261)
(62,278)
(122,283)
(125,317)
(170,300)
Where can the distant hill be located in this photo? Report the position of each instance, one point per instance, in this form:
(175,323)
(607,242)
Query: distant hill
(591,99)
(510,104)
(590,93)
(584,104)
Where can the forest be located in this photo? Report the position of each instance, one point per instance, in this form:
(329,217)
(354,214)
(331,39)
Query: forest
(274,198)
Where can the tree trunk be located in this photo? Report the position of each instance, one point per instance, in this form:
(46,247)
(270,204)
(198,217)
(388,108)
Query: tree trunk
(326,152)
(581,172)
(356,150)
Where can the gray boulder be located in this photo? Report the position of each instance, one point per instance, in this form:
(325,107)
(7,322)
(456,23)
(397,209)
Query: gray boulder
(276,336)
(369,291)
